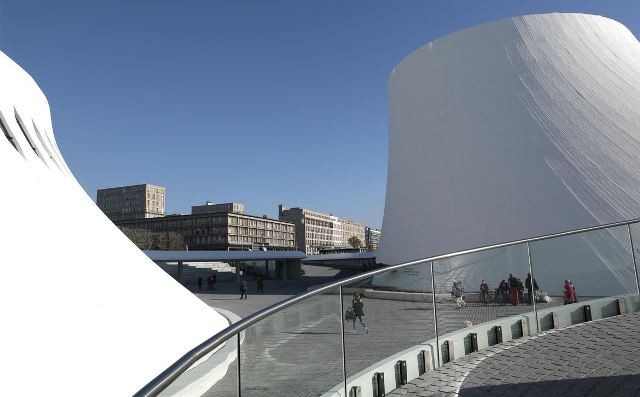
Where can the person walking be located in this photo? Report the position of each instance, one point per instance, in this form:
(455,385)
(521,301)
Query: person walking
(358,311)
(243,289)
(210,282)
(200,283)
(513,287)
(260,286)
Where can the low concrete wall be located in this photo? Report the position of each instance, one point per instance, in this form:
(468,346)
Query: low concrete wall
(460,341)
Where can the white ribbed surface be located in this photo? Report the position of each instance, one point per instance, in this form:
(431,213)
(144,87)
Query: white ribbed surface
(84,312)
(512,129)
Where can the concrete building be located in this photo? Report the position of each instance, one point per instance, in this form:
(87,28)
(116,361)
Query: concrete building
(109,309)
(132,202)
(227,231)
(315,230)
(371,238)
(210,208)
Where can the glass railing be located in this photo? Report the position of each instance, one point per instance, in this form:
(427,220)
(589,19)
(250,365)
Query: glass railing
(371,333)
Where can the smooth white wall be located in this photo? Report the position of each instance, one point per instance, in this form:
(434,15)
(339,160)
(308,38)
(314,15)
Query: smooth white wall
(84,312)
(512,129)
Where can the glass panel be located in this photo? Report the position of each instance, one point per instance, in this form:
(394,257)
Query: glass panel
(584,268)
(396,324)
(478,291)
(216,374)
(296,351)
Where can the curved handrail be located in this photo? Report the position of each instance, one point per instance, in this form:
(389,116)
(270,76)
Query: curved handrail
(165,378)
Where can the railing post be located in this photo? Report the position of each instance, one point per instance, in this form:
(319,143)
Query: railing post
(533,283)
(238,356)
(342,344)
(435,314)
(633,255)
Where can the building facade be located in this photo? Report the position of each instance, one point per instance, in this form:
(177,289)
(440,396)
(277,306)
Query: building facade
(132,202)
(372,238)
(226,231)
(316,231)
(210,208)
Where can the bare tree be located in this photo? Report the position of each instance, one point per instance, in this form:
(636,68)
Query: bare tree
(148,240)
(355,242)
(142,238)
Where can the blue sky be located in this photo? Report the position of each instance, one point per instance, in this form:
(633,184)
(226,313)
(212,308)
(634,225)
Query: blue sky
(260,102)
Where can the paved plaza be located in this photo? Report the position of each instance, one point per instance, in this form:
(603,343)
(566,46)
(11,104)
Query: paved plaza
(598,358)
(299,349)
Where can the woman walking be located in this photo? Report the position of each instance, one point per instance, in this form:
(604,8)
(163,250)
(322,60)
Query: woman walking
(358,312)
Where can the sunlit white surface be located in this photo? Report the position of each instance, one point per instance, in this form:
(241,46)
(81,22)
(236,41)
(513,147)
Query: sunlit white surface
(512,129)
(84,312)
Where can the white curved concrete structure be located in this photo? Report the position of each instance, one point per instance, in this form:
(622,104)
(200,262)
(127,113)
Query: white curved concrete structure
(84,312)
(512,129)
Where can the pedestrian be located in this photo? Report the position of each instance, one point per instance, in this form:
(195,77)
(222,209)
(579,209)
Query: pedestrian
(358,311)
(260,286)
(200,283)
(520,290)
(484,292)
(513,287)
(569,292)
(457,291)
(532,287)
(243,289)
(210,282)
(214,281)
(503,291)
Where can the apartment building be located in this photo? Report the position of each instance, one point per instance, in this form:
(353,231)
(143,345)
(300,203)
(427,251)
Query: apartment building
(372,238)
(223,230)
(315,230)
(132,202)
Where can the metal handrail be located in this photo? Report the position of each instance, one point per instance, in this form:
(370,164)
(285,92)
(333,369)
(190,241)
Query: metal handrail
(165,378)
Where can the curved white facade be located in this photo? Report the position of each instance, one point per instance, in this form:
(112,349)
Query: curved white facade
(84,312)
(512,129)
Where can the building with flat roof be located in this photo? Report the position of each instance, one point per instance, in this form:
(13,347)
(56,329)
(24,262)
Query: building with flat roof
(226,231)
(132,202)
(315,230)
(210,208)
(371,238)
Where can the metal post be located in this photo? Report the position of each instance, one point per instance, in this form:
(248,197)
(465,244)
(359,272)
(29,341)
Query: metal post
(633,254)
(533,298)
(435,314)
(344,353)
(238,356)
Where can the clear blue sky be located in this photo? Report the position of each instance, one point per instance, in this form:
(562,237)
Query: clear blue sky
(260,102)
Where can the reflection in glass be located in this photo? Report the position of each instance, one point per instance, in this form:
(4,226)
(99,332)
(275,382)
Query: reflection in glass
(295,351)
(398,313)
(216,374)
(480,287)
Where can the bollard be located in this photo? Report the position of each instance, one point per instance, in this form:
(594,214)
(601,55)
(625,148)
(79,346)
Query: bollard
(474,342)
(587,312)
(378,384)
(422,362)
(447,352)
(356,391)
(498,330)
(401,372)
(622,309)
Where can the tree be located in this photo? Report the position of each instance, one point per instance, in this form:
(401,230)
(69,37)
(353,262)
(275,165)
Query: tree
(148,240)
(355,242)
